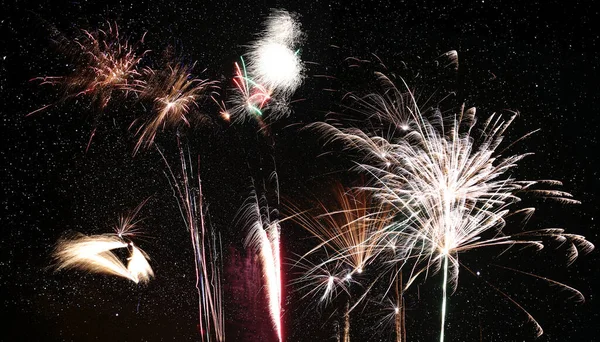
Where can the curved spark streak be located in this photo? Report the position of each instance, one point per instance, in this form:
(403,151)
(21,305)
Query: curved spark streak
(263,238)
(95,253)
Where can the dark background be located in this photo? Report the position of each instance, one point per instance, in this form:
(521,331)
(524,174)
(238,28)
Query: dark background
(539,58)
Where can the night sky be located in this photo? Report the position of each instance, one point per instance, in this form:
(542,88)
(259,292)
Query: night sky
(535,57)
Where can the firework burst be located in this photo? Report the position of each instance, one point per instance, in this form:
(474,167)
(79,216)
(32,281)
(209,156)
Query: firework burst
(448,179)
(273,61)
(174,92)
(104,62)
(352,234)
(273,73)
(95,253)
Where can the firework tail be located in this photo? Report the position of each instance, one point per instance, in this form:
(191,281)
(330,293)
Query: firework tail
(347,323)
(206,254)
(263,239)
(399,311)
(444,285)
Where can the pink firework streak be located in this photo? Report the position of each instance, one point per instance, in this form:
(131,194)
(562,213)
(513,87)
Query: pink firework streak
(263,237)
(251,97)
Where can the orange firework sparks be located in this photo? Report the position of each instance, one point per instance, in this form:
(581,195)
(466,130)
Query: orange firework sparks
(104,62)
(174,92)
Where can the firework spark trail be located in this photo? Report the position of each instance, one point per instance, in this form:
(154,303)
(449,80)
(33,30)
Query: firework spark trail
(347,324)
(263,238)
(206,256)
(251,97)
(174,92)
(94,253)
(138,266)
(449,183)
(323,281)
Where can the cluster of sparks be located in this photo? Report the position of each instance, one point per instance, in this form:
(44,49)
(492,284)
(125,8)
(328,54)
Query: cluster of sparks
(446,187)
(107,63)
(174,92)
(274,71)
(439,185)
(95,253)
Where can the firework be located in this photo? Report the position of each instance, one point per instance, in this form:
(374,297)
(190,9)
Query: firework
(273,61)
(95,253)
(104,62)
(274,70)
(174,92)
(323,281)
(263,238)
(351,234)
(206,246)
(138,265)
(449,183)
(251,97)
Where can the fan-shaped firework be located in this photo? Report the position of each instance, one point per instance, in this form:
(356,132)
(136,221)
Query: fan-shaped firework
(449,182)
(174,92)
(350,236)
(95,253)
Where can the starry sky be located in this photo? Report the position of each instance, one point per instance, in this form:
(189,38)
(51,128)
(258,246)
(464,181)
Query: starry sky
(537,57)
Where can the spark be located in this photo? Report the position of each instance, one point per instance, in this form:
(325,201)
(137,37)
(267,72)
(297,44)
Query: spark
(273,61)
(351,232)
(104,62)
(273,73)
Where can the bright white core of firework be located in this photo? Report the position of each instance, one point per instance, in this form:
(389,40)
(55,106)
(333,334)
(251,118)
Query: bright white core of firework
(277,66)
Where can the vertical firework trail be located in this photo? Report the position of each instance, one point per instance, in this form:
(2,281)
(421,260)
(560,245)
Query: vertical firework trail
(399,310)
(444,285)
(263,238)
(347,323)
(207,260)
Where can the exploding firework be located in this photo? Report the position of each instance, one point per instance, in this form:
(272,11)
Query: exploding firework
(104,62)
(273,61)
(174,92)
(95,253)
(449,183)
(273,73)
(351,236)
(250,97)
